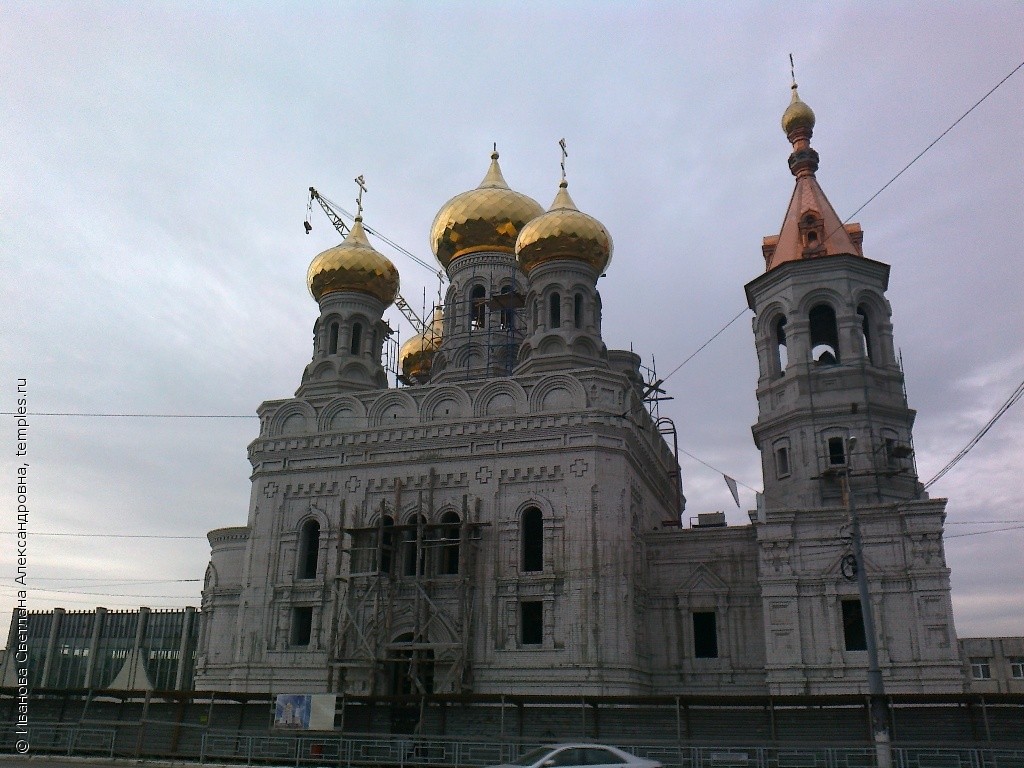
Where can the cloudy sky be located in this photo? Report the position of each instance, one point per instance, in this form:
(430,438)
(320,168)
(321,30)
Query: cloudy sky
(154,166)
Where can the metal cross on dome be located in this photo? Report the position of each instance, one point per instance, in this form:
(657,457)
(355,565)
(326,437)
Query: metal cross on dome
(565,154)
(362,188)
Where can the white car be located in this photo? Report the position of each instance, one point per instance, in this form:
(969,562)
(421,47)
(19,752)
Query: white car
(571,755)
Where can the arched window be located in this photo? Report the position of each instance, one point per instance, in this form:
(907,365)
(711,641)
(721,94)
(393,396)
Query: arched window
(824,335)
(477,307)
(508,315)
(332,343)
(555,304)
(781,352)
(450,544)
(577,310)
(357,338)
(309,549)
(532,540)
(386,543)
(412,545)
(865,327)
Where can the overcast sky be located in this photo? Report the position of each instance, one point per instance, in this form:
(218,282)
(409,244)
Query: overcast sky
(154,166)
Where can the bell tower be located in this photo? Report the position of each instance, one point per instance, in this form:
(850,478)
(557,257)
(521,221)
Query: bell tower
(828,367)
(835,434)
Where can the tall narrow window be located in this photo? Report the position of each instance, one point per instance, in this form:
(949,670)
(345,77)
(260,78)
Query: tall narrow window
(357,338)
(782,461)
(309,549)
(533,540)
(531,616)
(450,544)
(824,335)
(478,307)
(555,305)
(332,342)
(577,310)
(508,314)
(865,327)
(302,626)
(705,635)
(412,544)
(781,351)
(836,451)
(386,543)
(853,626)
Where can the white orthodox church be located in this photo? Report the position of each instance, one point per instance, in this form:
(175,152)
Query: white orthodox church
(508,520)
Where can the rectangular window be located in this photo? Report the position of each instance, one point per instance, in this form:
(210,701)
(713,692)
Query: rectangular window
(980,669)
(532,622)
(705,635)
(302,625)
(836,451)
(1017,667)
(781,461)
(853,626)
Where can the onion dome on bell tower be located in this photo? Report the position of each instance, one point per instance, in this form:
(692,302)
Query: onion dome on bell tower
(353,283)
(563,253)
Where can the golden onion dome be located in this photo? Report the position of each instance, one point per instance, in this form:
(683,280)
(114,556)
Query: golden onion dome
(797,115)
(355,265)
(417,353)
(564,232)
(487,218)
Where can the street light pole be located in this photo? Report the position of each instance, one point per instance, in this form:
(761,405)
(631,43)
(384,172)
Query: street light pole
(876,691)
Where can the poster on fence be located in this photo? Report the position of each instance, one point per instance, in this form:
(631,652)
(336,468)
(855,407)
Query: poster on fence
(304,711)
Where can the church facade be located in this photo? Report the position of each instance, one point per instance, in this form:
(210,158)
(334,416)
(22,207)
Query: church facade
(508,520)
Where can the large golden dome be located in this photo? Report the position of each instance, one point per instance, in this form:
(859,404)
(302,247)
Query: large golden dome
(564,232)
(487,218)
(417,353)
(355,265)
(797,115)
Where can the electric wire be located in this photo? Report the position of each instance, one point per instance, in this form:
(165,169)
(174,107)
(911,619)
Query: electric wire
(108,535)
(1010,401)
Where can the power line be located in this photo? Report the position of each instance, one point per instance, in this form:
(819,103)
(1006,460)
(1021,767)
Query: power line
(1013,398)
(105,535)
(133,415)
(979,533)
(936,141)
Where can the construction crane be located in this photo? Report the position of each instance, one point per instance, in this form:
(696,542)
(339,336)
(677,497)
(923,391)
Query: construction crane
(334,214)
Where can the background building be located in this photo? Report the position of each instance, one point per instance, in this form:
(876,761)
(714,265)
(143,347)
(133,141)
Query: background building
(141,650)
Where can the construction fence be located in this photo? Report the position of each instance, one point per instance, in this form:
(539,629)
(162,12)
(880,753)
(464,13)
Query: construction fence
(963,731)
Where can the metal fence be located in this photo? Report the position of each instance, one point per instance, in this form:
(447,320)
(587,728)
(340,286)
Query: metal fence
(374,751)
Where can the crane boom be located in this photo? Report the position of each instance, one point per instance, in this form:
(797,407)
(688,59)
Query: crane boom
(343,229)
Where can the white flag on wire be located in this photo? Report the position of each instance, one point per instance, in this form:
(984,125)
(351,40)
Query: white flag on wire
(732,489)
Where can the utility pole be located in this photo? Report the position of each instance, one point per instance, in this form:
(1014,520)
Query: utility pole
(876,691)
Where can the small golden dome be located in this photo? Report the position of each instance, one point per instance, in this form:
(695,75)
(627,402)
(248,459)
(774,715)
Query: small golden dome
(417,353)
(564,232)
(487,218)
(797,115)
(355,265)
